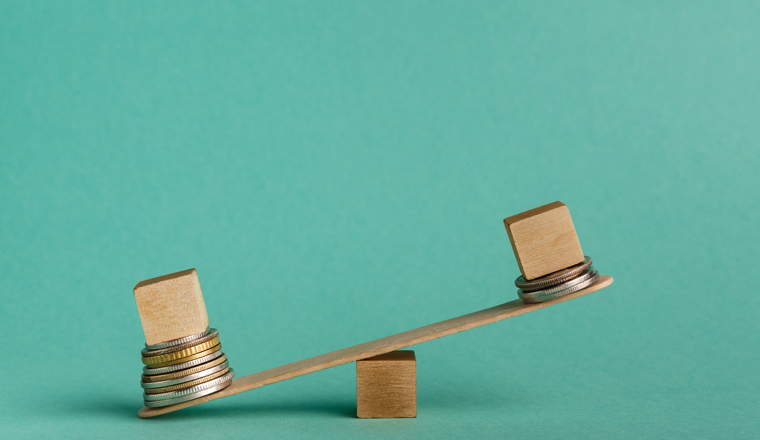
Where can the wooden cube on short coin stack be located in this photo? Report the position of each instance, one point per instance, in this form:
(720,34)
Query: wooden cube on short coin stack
(548,253)
(182,355)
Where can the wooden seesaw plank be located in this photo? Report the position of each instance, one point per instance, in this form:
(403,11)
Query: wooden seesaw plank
(377,347)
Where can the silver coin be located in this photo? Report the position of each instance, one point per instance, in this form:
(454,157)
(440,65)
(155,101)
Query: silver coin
(553,278)
(530,298)
(191,390)
(188,378)
(161,370)
(212,333)
(562,286)
(178,341)
(591,273)
(206,392)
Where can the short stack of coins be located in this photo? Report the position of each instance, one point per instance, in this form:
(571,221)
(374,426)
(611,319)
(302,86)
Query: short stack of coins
(184,369)
(557,284)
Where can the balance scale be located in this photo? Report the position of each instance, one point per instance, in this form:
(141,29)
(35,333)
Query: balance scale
(539,238)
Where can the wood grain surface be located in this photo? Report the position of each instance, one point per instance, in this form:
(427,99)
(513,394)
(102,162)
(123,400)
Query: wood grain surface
(378,346)
(386,386)
(171,306)
(544,240)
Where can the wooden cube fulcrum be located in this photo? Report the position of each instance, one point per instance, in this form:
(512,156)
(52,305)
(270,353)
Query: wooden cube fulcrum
(171,306)
(386,385)
(544,240)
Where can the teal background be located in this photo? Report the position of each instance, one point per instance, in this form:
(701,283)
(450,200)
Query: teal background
(339,171)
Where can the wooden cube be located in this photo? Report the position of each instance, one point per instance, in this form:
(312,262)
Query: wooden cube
(544,240)
(171,306)
(386,385)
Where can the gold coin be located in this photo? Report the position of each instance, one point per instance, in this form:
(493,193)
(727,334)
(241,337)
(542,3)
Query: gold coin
(160,359)
(185,372)
(187,358)
(190,384)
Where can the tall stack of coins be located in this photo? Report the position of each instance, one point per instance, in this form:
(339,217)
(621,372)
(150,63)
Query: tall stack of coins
(184,369)
(557,284)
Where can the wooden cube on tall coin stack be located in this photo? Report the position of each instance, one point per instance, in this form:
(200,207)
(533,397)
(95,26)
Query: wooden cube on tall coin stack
(171,306)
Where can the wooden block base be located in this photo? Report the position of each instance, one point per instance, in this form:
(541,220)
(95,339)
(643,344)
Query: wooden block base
(386,385)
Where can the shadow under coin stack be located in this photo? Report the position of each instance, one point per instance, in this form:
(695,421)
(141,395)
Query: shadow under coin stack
(184,369)
(557,284)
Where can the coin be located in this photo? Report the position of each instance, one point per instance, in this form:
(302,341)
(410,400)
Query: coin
(211,335)
(188,397)
(189,358)
(562,286)
(187,377)
(554,278)
(532,298)
(189,384)
(182,373)
(167,357)
(150,371)
(177,341)
(191,390)
(184,369)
